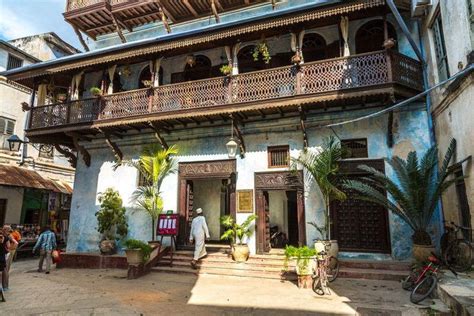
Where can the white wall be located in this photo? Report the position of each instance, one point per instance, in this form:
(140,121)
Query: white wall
(278,206)
(207,195)
(14,197)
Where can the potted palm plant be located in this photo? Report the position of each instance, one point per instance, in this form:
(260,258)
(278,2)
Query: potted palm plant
(154,164)
(323,168)
(137,251)
(238,234)
(413,195)
(112,221)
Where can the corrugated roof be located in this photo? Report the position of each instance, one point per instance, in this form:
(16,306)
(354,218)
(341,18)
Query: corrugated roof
(26,178)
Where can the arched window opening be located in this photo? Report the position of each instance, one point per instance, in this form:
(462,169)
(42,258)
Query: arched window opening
(145,76)
(117,83)
(370,36)
(246,62)
(314,47)
(200,70)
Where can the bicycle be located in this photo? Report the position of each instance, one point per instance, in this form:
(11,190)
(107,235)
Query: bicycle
(327,270)
(458,250)
(423,281)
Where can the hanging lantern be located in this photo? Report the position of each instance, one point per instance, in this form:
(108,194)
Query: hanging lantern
(231,148)
(190,60)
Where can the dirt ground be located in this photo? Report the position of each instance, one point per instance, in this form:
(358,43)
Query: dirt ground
(108,292)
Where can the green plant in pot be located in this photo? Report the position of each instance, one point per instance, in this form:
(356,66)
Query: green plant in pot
(137,251)
(226,69)
(413,194)
(238,234)
(112,223)
(154,165)
(323,168)
(261,51)
(304,257)
(95,91)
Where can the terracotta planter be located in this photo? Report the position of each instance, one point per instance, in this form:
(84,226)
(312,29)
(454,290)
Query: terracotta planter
(134,256)
(422,252)
(108,247)
(333,247)
(240,253)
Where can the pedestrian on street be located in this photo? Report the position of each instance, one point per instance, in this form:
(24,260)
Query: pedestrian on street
(199,234)
(5,245)
(15,240)
(46,244)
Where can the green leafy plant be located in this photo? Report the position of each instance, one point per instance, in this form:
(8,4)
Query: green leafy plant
(323,167)
(302,255)
(416,191)
(154,164)
(226,69)
(235,233)
(261,49)
(112,223)
(95,91)
(138,244)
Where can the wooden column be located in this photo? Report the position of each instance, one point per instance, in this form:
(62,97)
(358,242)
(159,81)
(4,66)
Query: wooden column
(232,197)
(182,211)
(301,217)
(260,223)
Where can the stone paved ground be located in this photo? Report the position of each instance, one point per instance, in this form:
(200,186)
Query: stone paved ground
(108,292)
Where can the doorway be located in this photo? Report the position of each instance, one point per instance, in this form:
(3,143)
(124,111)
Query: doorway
(283,218)
(3,211)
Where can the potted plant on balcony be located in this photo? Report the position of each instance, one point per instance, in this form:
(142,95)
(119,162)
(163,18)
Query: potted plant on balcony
(61,97)
(237,234)
(261,50)
(413,195)
(95,91)
(111,220)
(304,258)
(323,168)
(226,70)
(137,251)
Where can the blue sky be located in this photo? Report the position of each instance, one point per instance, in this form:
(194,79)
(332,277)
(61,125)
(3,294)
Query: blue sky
(20,18)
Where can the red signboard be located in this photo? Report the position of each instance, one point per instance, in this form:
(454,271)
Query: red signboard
(168,225)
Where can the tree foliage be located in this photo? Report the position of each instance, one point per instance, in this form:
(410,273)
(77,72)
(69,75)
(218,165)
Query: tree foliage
(111,219)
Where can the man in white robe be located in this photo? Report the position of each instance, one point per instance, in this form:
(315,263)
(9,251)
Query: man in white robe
(199,234)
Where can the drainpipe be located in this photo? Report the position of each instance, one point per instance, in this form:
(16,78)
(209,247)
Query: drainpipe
(24,151)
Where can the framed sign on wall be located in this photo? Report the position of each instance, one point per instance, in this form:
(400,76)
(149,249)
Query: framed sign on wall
(245,201)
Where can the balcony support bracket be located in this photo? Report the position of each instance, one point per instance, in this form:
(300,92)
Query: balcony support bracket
(118,29)
(238,133)
(68,154)
(79,36)
(303,126)
(158,136)
(113,145)
(86,157)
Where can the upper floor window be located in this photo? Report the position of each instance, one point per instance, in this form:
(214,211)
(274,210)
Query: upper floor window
(356,148)
(7,128)
(278,156)
(371,35)
(246,61)
(145,77)
(14,62)
(440,49)
(314,47)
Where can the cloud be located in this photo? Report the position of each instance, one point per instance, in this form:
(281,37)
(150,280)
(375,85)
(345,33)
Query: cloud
(14,26)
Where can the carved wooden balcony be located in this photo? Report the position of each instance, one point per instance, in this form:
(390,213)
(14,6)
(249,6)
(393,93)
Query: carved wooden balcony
(338,79)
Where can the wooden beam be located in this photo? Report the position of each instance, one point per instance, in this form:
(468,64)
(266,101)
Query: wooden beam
(238,133)
(122,23)
(81,39)
(214,10)
(262,113)
(118,29)
(158,135)
(164,19)
(134,127)
(190,8)
(166,12)
(280,110)
(86,157)
(303,127)
(115,149)
(219,5)
(68,154)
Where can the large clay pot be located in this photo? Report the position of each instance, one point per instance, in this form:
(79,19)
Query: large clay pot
(240,253)
(108,247)
(422,252)
(333,247)
(134,256)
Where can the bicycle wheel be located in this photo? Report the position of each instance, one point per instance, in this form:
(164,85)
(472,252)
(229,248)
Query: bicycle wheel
(318,286)
(459,255)
(423,289)
(332,270)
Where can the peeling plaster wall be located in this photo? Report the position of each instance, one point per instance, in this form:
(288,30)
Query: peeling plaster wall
(14,197)
(200,145)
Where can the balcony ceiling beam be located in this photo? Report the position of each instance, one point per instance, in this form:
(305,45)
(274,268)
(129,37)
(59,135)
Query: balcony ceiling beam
(118,29)
(302,125)
(86,157)
(164,19)
(79,36)
(158,136)
(190,8)
(166,12)
(214,4)
(68,154)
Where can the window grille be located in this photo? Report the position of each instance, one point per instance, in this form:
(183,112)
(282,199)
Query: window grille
(440,49)
(46,151)
(14,62)
(7,128)
(278,156)
(356,148)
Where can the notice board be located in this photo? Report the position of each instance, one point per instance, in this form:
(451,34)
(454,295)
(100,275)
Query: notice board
(168,225)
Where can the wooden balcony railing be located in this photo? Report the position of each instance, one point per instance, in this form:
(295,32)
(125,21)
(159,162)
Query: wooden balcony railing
(358,71)
(79,4)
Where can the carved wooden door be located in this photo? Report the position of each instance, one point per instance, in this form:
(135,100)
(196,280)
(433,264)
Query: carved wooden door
(360,226)
(186,199)
(263,222)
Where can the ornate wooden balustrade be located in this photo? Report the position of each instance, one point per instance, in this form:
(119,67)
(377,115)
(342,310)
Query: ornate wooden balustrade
(79,4)
(354,72)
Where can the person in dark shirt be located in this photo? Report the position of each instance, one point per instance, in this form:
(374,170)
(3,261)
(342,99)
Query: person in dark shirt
(4,246)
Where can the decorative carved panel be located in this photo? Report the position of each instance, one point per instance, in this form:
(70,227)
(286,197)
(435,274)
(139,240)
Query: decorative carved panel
(280,180)
(214,169)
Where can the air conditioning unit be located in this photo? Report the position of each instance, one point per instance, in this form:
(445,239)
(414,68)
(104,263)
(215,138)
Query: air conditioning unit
(419,7)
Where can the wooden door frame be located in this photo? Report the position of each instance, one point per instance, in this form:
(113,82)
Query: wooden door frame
(202,170)
(283,181)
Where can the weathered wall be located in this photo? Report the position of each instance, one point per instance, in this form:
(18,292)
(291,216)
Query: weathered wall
(277,203)
(200,145)
(14,198)
(207,195)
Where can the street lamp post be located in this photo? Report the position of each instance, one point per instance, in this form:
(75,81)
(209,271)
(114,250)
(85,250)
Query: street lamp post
(14,144)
